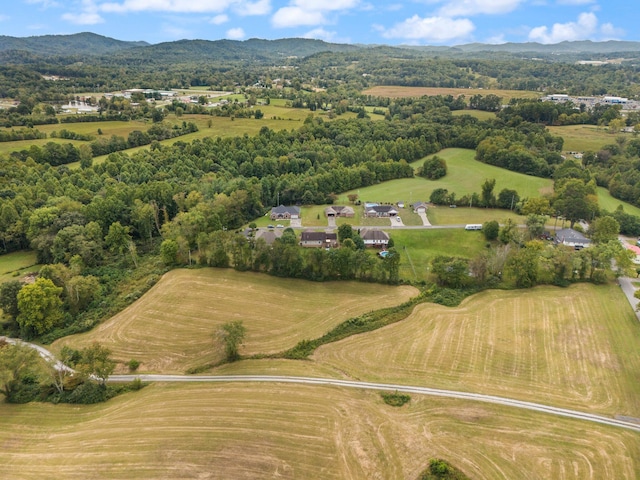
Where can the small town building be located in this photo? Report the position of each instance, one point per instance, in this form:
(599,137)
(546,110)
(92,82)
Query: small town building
(374,238)
(285,213)
(339,211)
(313,239)
(375,210)
(572,238)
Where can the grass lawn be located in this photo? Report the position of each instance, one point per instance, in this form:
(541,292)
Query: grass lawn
(465,175)
(170,329)
(607,202)
(301,431)
(479,114)
(418,247)
(401,92)
(16,263)
(581,138)
(575,347)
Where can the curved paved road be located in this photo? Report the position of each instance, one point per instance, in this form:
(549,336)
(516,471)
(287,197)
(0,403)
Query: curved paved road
(537,407)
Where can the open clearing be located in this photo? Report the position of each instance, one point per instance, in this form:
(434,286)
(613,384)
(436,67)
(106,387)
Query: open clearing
(251,431)
(170,329)
(16,263)
(573,347)
(582,138)
(402,92)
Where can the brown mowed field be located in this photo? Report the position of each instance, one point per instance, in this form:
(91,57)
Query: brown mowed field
(256,431)
(575,347)
(171,328)
(394,91)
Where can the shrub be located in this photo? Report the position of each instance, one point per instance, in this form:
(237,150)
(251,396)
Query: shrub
(441,470)
(395,399)
(133,365)
(88,393)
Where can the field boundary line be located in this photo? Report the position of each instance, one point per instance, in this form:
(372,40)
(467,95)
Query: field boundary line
(536,407)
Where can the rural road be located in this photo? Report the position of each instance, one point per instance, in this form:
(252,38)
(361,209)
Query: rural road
(536,407)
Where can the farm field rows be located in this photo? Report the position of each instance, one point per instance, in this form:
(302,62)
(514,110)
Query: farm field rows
(171,328)
(401,92)
(573,347)
(296,431)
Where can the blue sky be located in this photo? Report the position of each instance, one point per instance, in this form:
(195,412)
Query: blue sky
(417,22)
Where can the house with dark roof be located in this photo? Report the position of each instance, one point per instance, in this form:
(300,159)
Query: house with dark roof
(374,238)
(313,239)
(339,211)
(373,210)
(571,238)
(284,213)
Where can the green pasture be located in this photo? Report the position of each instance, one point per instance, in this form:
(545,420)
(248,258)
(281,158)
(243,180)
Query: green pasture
(607,202)
(14,264)
(465,175)
(479,114)
(418,247)
(582,138)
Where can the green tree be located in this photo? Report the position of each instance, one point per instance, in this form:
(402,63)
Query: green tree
(450,272)
(232,335)
(433,168)
(9,298)
(40,307)
(522,267)
(95,363)
(604,229)
(169,252)
(17,364)
(488,199)
(491,229)
(118,238)
(535,225)
(345,231)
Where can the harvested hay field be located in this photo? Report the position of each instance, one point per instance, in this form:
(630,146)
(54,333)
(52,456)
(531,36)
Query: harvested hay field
(248,431)
(170,329)
(575,347)
(403,92)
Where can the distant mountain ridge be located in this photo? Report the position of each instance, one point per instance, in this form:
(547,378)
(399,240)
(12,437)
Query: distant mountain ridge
(85,43)
(91,44)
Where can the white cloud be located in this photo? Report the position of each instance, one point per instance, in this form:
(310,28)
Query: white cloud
(87,14)
(44,3)
(312,12)
(83,18)
(296,16)
(576,2)
(219,19)
(174,6)
(458,8)
(326,35)
(497,40)
(261,7)
(235,34)
(609,32)
(585,27)
(431,29)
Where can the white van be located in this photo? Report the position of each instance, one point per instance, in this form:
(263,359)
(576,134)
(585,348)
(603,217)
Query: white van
(473,226)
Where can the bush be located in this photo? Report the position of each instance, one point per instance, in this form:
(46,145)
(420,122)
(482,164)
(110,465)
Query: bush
(441,470)
(491,229)
(88,393)
(395,399)
(133,365)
